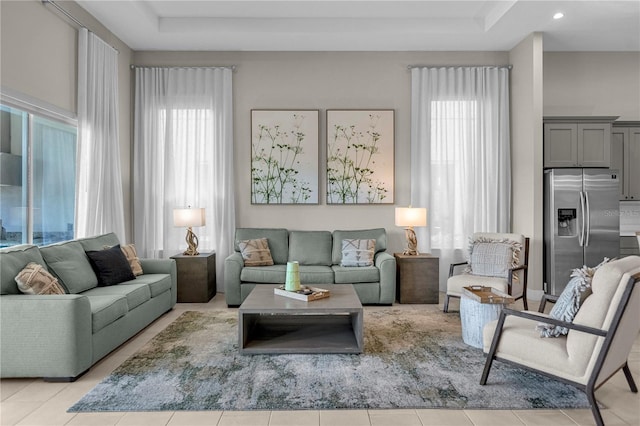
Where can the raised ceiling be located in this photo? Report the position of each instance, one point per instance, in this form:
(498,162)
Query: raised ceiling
(364,25)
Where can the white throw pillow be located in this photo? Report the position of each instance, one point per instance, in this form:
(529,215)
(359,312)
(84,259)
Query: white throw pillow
(358,252)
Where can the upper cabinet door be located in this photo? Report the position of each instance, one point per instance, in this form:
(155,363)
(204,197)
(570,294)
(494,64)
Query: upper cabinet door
(594,144)
(633,168)
(619,157)
(560,145)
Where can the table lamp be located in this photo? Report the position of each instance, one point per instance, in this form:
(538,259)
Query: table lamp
(408,217)
(189,217)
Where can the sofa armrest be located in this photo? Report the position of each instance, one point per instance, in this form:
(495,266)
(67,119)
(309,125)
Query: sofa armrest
(387,265)
(233,265)
(163,266)
(45,335)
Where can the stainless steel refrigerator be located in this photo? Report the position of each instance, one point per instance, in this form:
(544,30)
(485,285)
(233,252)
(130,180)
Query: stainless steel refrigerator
(581,222)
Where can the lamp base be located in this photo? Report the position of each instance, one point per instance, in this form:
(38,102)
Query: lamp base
(192,243)
(412,242)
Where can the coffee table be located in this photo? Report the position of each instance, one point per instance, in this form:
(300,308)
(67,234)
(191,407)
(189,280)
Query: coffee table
(273,324)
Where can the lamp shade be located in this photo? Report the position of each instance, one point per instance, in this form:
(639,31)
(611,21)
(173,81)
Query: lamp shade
(411,216)
(188,217)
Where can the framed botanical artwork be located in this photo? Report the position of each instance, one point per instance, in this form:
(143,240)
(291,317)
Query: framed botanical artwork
(360,156)
(284,156)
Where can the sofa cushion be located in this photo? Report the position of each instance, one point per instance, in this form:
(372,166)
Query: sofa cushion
(158,283)
(135,294)
(35,279)
(350,274)
(105,309)
(378,234)
(358,252)
(12,261)
(98,242)
(310,247)
(111,266)
(70,265)
(316,274)
(278,241)
(256,252)
(264,274)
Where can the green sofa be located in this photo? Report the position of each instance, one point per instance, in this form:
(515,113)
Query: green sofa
(59,337)
(319,254)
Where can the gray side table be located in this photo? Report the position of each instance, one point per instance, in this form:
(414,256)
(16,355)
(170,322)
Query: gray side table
(417,278)
(196,277)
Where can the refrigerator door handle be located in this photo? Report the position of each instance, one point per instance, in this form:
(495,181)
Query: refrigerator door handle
(587,214)
(582,227)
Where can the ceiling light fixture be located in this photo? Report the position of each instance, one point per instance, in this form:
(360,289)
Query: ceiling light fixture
(558,15)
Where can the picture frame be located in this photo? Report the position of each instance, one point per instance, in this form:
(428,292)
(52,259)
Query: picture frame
(284,156)
(360,156)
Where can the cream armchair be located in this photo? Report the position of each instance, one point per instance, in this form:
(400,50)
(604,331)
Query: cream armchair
(516,287)
(598,342)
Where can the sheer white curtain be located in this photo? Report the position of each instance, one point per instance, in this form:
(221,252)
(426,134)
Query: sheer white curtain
(183,156)
(99,184)
(460,156)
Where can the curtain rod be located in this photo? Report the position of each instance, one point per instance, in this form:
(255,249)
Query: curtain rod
(64,12)
(232,67)
(459,66)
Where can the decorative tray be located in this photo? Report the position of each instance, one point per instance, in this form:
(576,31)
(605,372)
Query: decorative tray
(306,294)
(486,295)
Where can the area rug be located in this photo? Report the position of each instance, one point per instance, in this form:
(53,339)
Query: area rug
(411,359)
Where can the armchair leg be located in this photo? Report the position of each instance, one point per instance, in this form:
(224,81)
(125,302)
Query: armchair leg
(492,351)
(595,410)
(627,374)
(524,301)
(445,308)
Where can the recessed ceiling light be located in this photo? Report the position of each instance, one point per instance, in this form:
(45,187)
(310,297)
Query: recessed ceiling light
(558,15)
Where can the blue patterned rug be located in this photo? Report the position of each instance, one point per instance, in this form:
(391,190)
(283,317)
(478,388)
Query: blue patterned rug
(411,359)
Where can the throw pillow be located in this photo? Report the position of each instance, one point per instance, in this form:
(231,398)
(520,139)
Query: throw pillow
(566,307)
(358,252)
(111,266)
(255,252)
(35,279)
(493,258)
(130,253)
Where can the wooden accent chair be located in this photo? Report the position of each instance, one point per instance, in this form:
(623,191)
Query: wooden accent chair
(598,342)
(516,288)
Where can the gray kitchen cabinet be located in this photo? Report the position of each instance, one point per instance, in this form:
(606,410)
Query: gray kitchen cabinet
(577,141)
(625,156)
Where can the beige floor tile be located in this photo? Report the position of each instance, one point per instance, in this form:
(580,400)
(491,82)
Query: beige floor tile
(443,418)
(37,391)
(544,418)
(156,418)
(295,418)
(195,418)
(585,417)
(394,418)
(493,418)
(49,414)
(244,418)
(344,418)
(95,419)
(12,412)
(9,387)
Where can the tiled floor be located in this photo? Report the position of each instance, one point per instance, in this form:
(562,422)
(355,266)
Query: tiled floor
(34,402)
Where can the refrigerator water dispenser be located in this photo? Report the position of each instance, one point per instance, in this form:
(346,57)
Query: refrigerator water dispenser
(567,223)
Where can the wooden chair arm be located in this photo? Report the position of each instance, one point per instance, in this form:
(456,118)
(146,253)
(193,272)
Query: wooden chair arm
(546,298)
(453,265)
(541,318)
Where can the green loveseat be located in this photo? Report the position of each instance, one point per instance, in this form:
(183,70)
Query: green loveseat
(319,254)
(59,337)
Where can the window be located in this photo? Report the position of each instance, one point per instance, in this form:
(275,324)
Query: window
(453,137)
(37,177)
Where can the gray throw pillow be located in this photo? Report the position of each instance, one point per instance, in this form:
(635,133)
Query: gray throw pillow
(493,258)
